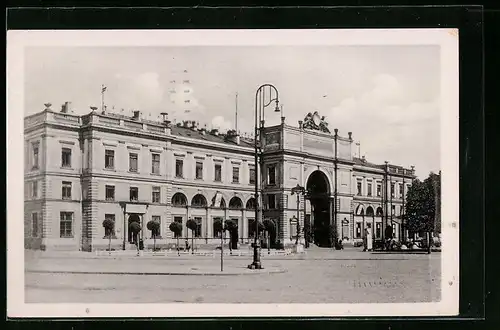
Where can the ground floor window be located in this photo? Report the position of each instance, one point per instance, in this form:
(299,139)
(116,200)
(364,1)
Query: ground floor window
(217,227)
(178,220)
(197,231)
(34,225)
(358,229)
(378,230)
(156,232)
(66,225)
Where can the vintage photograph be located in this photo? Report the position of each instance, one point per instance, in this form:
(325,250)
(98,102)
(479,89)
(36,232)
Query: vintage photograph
(272,173)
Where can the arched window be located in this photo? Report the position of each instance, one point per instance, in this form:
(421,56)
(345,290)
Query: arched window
(380,213)
(199,201)
(235,203)
(250,204)
(179,199)
(360,210)
(369,211)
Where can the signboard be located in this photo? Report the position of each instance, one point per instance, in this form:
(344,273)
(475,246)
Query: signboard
(135,208)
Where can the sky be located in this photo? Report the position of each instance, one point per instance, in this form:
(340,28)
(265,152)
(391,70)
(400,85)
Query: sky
(387,96)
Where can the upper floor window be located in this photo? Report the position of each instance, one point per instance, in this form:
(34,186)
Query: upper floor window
(392,189)
(199,170)
(109,159)
(393,210)
(236,174)
(134,194)
(179,199)
(379,189)
(66,224)
(66,157)
(271,175)
(110,193)
(369,189)
(252,174)
(401,190)
(156,195)
(34,189)
(35,155)
(66,190)
(218,173)
(359,188)
(271,201)
(155,163)
(132,162)
(179,165)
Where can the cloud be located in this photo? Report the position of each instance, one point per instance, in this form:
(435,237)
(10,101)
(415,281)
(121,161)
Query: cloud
(221,123)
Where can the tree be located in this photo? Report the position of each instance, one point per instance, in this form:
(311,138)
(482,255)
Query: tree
(135,228)
(154,226)
(108,225)
(192,225)
(421,202)
(176,228)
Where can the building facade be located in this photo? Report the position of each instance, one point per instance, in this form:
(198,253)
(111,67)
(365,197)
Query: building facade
(81,170)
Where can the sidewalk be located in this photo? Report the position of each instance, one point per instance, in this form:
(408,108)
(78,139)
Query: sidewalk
(143,266)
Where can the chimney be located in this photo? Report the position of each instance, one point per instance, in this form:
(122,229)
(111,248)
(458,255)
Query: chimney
(215,132)
(66,107)
(233,136)
(137,115)
(300,124)
(350,135)
(363,159)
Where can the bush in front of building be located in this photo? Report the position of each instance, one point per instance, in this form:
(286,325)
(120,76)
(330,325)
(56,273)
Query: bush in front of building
(232,228)
(108,225)
(154,226)
(176,228)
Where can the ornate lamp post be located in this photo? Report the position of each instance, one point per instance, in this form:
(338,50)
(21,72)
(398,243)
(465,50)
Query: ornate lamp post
(298,190)
(260,105)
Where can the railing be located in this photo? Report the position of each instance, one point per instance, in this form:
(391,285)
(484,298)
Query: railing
(133,125)
(67,118)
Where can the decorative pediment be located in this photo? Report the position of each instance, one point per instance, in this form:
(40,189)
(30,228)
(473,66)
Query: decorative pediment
(316,122)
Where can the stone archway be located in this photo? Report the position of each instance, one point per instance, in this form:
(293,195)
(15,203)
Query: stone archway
(318,189)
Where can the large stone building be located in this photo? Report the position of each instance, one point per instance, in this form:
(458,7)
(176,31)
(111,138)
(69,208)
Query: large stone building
(81,170)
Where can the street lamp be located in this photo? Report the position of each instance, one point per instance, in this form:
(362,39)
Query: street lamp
(260,105)
(298,190)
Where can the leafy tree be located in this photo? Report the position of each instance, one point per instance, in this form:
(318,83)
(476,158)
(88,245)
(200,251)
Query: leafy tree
(176,228)
(192,225)
(154,226)
(108,225)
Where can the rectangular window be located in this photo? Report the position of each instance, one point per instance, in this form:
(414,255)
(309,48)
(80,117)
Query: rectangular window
(359,191)
(34,189)
(393,209)
(66,157)
(155,163)
(179,164)
(252,174)
(401,190)
(66,225)
(109,159)
(218,173)
(134,194)
(178,220)
(271,201)
(369,188)
(156,195)
(66,190)
(110,231)
(35,155)
(197,232)
(271,175)
(156,232)
(110,193)
(199,170)
(379,189)
(392,189)
(132,162)
(236,174)
(378,230)
(358,229)
(34,224)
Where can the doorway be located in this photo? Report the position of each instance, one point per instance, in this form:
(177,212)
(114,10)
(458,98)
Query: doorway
(319,196)
(133,237)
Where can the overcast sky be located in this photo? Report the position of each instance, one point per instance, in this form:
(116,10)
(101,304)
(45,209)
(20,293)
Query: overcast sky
(388,96)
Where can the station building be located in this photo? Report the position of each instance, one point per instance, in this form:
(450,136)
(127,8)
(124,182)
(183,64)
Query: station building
(81,170)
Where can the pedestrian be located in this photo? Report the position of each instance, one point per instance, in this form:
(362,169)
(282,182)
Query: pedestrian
(369,242)
(365,246)
(187,245)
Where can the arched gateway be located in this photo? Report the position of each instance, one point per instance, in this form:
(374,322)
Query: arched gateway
(318,189)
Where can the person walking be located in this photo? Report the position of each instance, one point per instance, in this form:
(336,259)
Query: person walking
(365,240)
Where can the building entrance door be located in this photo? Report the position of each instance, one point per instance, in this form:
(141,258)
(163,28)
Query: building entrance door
(133,237)
(319,195)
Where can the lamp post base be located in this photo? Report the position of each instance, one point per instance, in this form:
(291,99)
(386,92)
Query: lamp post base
(256,258)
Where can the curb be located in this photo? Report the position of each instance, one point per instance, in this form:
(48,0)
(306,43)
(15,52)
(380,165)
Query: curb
(255,272)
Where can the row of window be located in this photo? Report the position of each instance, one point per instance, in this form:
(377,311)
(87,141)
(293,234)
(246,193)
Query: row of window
(379,189)
(378,229)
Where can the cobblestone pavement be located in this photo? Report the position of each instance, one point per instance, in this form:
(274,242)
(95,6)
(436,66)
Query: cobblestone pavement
(320,276)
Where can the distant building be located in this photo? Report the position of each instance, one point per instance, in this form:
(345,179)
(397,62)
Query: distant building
(80,170)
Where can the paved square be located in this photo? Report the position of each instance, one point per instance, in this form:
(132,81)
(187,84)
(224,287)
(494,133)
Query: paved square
(320,276)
